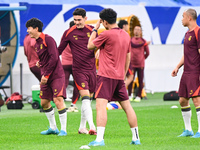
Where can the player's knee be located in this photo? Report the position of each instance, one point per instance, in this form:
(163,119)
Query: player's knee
(183,102)
(45,104)
(58,100)
(196,101)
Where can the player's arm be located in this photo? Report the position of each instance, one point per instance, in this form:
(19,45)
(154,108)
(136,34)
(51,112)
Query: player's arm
(91,45)
(25,50)
(180,64)
(128,59)
(53,57)
(146,50)
(63,43)
(25,47)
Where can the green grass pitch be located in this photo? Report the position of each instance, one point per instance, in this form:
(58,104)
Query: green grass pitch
(159,125)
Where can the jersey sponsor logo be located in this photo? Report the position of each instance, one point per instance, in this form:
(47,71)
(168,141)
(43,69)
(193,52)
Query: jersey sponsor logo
(83,85)
(191,92)
(41,46)
(88,34)
(75,37)
(55,92)
(190,37)
(41,93)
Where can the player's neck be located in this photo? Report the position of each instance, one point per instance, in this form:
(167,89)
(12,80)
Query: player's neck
(192,26)
(38,35)
(112,26)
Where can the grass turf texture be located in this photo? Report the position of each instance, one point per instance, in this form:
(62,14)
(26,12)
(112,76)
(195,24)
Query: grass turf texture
(159,126)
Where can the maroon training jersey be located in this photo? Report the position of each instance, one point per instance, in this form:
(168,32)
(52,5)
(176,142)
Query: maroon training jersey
(139,52)
(83,59)
(191,53)
(47,52)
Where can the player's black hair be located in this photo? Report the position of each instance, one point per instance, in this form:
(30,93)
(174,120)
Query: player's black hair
(79,12)
(121,23)
(109,15)
(192,13)
(71,24)
(35,22)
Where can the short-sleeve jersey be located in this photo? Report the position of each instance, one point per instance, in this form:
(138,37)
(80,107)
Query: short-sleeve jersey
(83,58)
(47,52)
(67,56)
(114,45)
(191,53)
(29,51)
(139,54)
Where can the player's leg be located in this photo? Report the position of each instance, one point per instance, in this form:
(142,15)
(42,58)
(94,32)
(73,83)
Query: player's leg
(103,93)
(101,120)
(132,120)
(58,93)
(187,114)
(120,95)
(86,111)
(82,83)
(196,101)
(46,97)
(140,74)
(75,98)
(59,102)
(130,89)
(49,112)
(130,86)
(67,70)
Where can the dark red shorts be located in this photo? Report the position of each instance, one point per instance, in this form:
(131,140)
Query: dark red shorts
(111,89)
(189,85)
(85,80)
(53,89)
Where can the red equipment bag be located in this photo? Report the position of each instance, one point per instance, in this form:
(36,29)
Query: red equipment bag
(14,101)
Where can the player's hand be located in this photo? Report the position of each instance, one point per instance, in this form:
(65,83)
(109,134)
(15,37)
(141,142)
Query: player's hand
(38,64)
(148,42)
(98,24)
(174,72)
(97,54)
(43,80)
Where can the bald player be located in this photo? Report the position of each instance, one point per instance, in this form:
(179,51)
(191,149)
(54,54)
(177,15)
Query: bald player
(190,85)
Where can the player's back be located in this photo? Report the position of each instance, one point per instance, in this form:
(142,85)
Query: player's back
(113,56)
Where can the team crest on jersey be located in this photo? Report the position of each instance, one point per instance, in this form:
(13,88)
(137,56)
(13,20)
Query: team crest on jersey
(191,92)
(88,34)
(190,37)
(41,46)
(55,92)
(75,37)
(83,85)
(41,93)
(140,42)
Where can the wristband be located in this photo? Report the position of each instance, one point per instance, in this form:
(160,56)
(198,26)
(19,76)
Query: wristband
(94,30)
